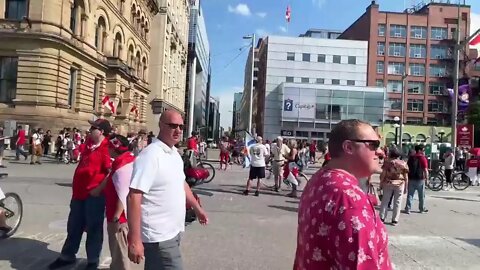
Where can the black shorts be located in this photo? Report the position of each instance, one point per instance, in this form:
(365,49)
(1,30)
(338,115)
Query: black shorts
(256,172)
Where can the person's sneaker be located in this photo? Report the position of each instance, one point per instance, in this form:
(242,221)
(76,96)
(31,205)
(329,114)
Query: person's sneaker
(394,223)
(59,263)
(3,166)
(91,266)
(257,193)
(424,211)
(406,211)
(32,163)
(245,192)
(276,189)
(383,220)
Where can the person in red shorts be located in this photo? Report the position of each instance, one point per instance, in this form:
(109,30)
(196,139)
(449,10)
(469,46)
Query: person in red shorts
(87,207)
(192,142)
(224,153)
(338,227)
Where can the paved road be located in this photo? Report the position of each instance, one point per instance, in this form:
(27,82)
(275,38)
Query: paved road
(245,232)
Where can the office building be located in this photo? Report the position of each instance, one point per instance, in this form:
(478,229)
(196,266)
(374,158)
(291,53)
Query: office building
(237,100)
(417,43)
(245,111)
(322,80)
(60,58)
(168,63)
(198,69)
(321,33)
(214,130)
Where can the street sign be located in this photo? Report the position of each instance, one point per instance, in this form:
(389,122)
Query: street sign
(288,105)
(465,136)
(287,133)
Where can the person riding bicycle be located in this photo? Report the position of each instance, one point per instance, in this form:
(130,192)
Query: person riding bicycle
(4,228)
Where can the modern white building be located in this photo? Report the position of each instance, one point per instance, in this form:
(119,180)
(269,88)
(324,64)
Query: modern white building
(324,79)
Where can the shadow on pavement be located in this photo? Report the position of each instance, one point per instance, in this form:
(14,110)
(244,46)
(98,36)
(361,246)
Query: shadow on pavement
(285,208)
(473,242)
(455,199)
(202,192)
(297,202)
(64,184)
(26,254)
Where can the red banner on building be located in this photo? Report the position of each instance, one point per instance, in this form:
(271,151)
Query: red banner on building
(465,136)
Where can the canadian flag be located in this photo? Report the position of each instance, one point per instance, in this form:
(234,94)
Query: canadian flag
(134,109)
(107,102)
(288,14)
(475,41)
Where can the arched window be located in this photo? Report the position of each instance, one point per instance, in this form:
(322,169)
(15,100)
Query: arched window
(100,34)
(130,56)
(76,18)
(142,27)
(138,64)
(137,20)
(144,71)
(117,46)
(146,30)
(420,138)
(15,9)
(406,137)
(133,10)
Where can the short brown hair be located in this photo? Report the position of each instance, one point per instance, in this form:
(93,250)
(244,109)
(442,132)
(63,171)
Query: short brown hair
(344,130)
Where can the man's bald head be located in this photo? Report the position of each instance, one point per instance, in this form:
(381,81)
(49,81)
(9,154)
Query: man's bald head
(171,127)
(169,115)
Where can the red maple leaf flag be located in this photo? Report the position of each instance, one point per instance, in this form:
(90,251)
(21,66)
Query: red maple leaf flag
(134,109)
(475,41)
(288,14)
(108,103)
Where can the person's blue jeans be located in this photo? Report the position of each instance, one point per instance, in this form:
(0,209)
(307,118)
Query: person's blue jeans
(20,151)
(419,186)
(85,216)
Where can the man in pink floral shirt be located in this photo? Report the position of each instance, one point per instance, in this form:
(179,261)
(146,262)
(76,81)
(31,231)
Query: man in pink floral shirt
(337,224)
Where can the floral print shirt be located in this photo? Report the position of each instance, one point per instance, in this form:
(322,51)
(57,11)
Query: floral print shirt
(338,227)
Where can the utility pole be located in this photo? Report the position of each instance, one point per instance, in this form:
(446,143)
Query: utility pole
(402,109)
(250,101)
(456,75)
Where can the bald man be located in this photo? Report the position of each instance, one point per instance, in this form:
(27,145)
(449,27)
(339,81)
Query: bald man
(156,202)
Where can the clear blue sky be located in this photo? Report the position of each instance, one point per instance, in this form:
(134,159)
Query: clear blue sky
(229,20)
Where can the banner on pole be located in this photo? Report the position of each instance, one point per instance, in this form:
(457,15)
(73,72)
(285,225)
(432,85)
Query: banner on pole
(465,136)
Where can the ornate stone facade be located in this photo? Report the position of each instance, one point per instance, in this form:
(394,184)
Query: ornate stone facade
(60,58)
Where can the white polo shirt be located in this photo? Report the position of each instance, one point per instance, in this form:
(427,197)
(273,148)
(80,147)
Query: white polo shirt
(158,173)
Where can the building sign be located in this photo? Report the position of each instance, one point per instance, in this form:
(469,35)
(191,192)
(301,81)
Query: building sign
(465,136)
(288,105)
(287,133)
(298,105)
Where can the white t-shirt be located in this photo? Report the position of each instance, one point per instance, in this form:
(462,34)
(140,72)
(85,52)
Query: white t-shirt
(36,139)
(257,154)
(267,146)
(449,162)
(158,173)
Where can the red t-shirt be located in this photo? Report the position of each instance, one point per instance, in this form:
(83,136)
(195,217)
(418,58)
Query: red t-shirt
(338,227)
(92,169)
(111,195)
(423,160)
(21,137)
(192,144)
(472,163)
(313,147)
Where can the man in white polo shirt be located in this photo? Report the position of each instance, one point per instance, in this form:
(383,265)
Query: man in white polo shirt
(156,203)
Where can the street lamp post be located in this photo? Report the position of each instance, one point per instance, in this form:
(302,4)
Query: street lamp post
(442,132)
(250,101)
(396,126)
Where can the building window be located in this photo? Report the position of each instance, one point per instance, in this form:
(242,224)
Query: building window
(416,87)
(414,120)
(418,51)
(432,122)
(145,71)
(321,58)
(100,34)
(289,79)
(396,68)
(380,48)
(305,57)
(418,32)
(396,49)
(8,79)
(352,60)
(380,67)
(417,69)
(350,82)
(117,46)
(437,106)
(96,91)
(381,30)
(436,88)
(439,33)
(133,14)
(290,56)
(394,86)
(439,52)
(335,82)
(305,80)
(72,85)
(398,31)
(16,9)
(337,59)
(379,83)
(320,81)
(415,105)
(438,71)
(395,104)
(76,18)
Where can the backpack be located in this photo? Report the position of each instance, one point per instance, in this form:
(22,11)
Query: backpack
(415,170)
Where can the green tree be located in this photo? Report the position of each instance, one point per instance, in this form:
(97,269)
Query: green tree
(474,118)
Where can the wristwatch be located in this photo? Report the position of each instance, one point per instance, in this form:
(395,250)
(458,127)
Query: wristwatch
(116,219)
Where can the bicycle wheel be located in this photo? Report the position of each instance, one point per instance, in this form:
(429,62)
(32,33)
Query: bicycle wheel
(210,168)
(460,181)
(13,207)
(435,183)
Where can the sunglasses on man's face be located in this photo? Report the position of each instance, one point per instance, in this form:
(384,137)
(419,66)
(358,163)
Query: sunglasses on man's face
(373,144)
(175,126)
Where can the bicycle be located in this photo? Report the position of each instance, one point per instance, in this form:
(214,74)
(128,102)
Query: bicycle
(461,181)
(12,207)
(209,167)
(436,179)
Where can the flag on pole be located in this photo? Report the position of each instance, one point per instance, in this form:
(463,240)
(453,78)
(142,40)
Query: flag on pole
(249,141)
(288,14)
(134,109)
(475,41)
(107,102)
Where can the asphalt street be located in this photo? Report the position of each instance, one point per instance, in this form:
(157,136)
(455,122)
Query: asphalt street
(244,232)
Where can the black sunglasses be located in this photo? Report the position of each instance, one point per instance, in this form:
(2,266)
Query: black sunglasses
(174,126)
(375,144)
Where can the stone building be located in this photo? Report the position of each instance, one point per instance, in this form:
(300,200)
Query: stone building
(60,58)
(168,64)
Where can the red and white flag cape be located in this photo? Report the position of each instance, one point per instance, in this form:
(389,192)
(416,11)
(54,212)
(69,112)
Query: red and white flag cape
(134,109)
(288,14)
(107,102)
(475,41)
